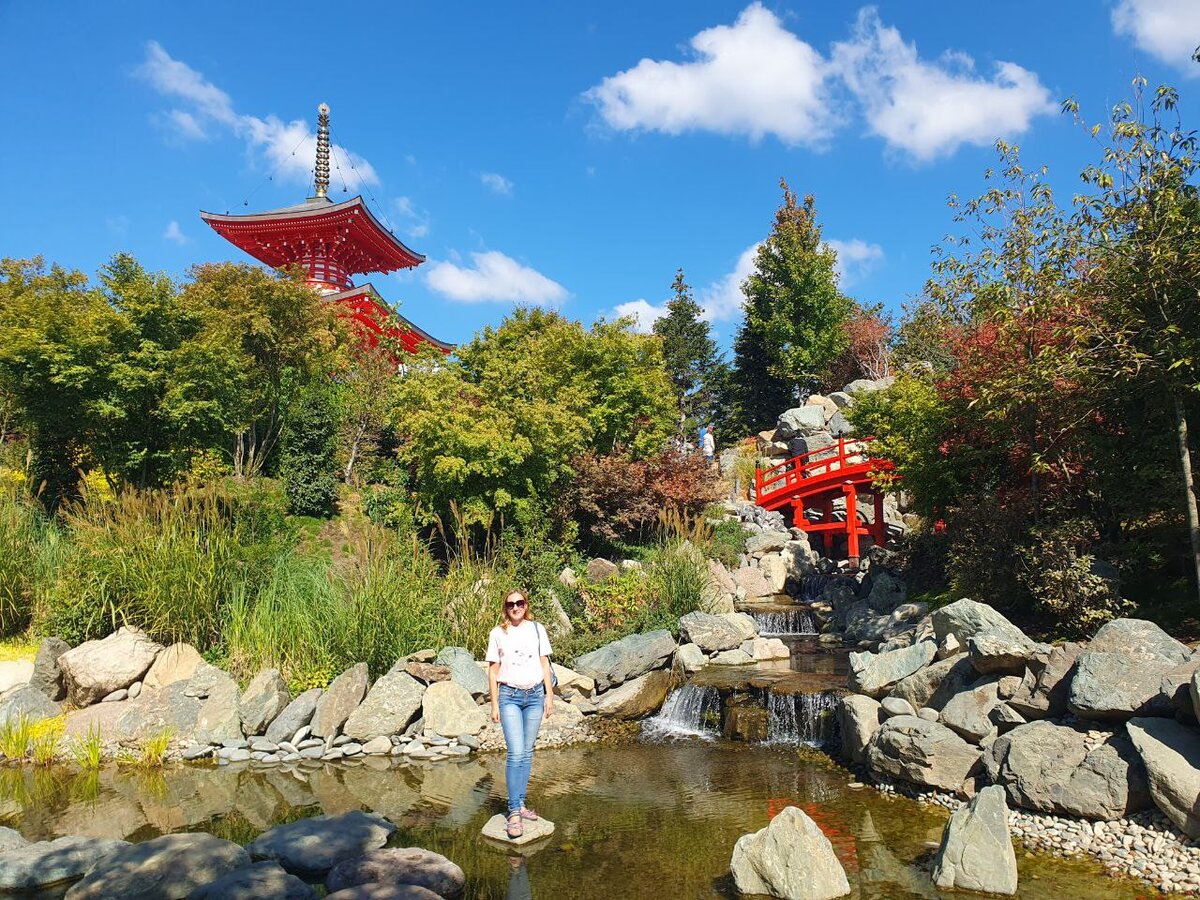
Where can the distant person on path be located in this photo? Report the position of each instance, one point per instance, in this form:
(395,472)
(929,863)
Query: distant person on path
(708,444)
(521,684)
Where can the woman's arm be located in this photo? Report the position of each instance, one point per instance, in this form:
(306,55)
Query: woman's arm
(548,681)
(493,691)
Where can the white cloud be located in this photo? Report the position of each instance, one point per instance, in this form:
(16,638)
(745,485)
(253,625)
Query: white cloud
(174,234)
(1167,29)
(288,148)
(497,183)
(855,258)
(643,313)
(722,300)
(494,277)
(417,219)
(753,77)
(929,109)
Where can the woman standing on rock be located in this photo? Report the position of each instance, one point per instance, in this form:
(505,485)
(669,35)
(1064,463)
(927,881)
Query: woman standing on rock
(521,683)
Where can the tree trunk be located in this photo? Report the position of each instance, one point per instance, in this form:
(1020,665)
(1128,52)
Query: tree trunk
(1189,486)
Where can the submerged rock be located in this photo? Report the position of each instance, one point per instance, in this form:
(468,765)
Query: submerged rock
(407,865)
(976,853)
(169,866)
(790,858)
(384,892)
(311,847)
(494,829)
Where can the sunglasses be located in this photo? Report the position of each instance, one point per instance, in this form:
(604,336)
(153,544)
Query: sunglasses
(517,604)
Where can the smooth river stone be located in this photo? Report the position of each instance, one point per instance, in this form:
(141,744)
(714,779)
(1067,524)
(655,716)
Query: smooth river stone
(494,829)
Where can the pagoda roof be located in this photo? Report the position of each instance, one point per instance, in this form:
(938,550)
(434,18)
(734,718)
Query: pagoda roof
(409,334)
(281,237)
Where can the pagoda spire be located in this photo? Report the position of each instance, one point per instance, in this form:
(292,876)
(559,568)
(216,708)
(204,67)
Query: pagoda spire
(321,171)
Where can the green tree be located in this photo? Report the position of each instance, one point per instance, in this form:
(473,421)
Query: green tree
(795,315)
(308,448)
(690,356)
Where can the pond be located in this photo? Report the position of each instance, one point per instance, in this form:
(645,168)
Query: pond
(634,820)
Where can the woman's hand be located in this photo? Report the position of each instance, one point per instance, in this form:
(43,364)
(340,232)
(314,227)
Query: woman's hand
(548,706)
(495,712)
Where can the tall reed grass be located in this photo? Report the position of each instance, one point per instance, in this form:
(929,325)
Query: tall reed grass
(30,554)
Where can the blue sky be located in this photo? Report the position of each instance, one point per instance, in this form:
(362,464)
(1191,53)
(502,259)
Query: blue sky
(568,154)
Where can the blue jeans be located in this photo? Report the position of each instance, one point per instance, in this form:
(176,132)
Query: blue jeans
(520,717)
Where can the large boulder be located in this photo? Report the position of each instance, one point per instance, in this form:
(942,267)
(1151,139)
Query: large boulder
(934,685)
(27,869)
(463,669)
(170,709)
(265,698)
(262,881)
(800,420)
(295,716)
(171,866)
(1112,686)
(1171,755)
(449,710)
(719,589)
(95,669)
(340,699)
(754,584)
(391,704)
(627,658)
(976,853)
(920,752)
(767,542)
(791,858)
(47,677)
(15,672)
(601,569)
(27,702)
(1139,639)
(861,718)
(220,718)
(710,633)
(775,571)
(965,618)
(883,590)
(873,673)
(1047,767)
(177,662)
(1046,687)
(968,713)
(399,865)
(311,847)
(637,698)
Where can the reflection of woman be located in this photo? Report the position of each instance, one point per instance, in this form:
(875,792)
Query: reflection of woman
(521,685)
(518,880)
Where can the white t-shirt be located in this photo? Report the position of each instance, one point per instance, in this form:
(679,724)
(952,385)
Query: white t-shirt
(709,445)
(519,650)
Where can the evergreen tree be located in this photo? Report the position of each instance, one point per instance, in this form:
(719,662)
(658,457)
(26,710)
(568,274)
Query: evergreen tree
(689,354)
(795,314)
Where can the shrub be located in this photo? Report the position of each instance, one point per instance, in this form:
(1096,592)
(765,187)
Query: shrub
(728,542)
(985,540)
(308,453)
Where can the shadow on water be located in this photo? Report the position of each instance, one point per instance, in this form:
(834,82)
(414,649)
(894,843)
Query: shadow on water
(630,818)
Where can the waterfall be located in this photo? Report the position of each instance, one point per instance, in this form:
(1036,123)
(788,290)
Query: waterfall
(802,718)
(790,621)
(810,588)
(691,711)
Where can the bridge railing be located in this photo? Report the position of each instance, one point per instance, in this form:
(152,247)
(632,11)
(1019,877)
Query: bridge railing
(812,464)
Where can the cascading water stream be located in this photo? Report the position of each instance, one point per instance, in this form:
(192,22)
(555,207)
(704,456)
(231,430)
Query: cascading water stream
(801,718)
(788,621)
(691,711)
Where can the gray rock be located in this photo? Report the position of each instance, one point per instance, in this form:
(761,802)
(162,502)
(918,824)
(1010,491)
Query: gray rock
(532,832)
(97,668)
(752,582)
(46,863)
(449,710)
(115,696)
(295,716)
(800,420)
(407,865)
(708,632)
(884,591)
(867,385)
(1111,687)
(10,839)
(1194,690)
(168,709)
(197,751)
(928,714)
(177,662)
(1044,691)
(637,698)
(135,690)
(1139,639)
(791,858)
(260,881)
(690,658)
(219,718)
(841,399)
(377,746)
(895,706)
(994,653)
(340,699)
(311,847)
(965,618)
(1171,754)
(1176,687)
(967,714)
(873,673)
(170,866)
(265,698)
(767,542)
(384,892)
(1005,718)
(934,685)
(47,676)
(464,669)
(29,702)
(601,569)
(861,718)
(391,704)
(735,657)
(976,853)
(627,658)
(1054,768)
(923,753)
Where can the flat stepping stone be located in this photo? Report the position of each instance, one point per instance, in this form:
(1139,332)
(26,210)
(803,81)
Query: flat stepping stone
(261,881)
(495,830)
(311,847)
(46,863)
(173,865)
(385,892)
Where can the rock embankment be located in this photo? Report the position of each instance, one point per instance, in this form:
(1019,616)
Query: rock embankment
(1103,731)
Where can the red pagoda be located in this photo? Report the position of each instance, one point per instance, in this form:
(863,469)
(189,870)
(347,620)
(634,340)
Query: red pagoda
(331,242)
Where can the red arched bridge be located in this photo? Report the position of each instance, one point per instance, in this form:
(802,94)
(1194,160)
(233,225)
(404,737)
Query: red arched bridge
(811,482)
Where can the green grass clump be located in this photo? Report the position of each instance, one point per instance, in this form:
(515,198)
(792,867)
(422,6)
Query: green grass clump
(15,736)
(88,751)
(44,740)
(30,548)
(153,754)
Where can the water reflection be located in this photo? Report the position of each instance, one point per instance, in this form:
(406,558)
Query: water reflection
(629,818)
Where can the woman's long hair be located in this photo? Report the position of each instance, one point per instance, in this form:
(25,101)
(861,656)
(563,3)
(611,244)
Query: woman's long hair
(504,612)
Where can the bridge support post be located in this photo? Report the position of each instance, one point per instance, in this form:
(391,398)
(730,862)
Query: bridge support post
(879,531)
(851,521)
